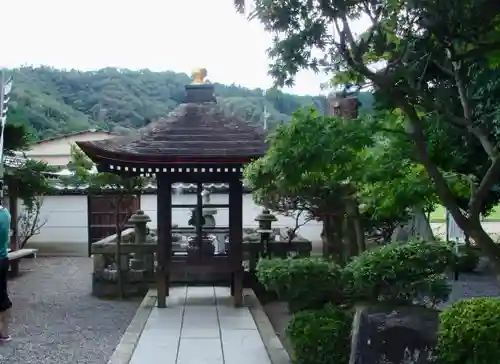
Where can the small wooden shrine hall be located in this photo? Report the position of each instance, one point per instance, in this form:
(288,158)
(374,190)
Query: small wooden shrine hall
(195,143)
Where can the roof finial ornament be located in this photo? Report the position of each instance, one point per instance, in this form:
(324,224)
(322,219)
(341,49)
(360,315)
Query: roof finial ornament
(198,76)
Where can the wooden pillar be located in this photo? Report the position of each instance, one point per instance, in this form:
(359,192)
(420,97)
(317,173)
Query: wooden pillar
(89,222)
(199,217)
(236,238)
(164,248)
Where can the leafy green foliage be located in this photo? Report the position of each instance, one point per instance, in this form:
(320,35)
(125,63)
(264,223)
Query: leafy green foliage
(16,138)
(25,181)
(316,161)
(305,283)
(469,332)
(321,336)
(435,62)
(393,185)
(28,181)
(308,163)
(402,273)
(395,273)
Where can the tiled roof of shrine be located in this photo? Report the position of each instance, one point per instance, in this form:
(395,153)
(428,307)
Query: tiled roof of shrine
(197,131)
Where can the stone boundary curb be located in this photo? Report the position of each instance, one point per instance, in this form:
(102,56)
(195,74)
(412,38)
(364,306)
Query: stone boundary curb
(125,349)
(274,347)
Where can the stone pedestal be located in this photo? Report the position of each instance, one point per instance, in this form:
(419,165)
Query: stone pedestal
(99,263)
(393,335)
(135,270)
(124,263)
(265,220)
(140,220)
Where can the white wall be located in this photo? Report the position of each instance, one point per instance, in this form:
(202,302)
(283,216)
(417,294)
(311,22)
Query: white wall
(57,151)
(66,230)
(66,218)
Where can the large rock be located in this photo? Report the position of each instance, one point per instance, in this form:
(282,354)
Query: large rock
(397,335)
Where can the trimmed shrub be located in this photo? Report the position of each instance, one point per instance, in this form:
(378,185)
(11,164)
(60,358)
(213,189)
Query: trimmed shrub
(412,272)
(320,337)
(469,332)
(305,283)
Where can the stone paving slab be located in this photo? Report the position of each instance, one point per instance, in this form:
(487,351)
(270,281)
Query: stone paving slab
(200,325)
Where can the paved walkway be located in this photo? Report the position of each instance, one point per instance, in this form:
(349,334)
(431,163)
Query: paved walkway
(200,326)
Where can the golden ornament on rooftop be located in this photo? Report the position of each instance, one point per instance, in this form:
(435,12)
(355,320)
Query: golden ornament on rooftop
(198,76)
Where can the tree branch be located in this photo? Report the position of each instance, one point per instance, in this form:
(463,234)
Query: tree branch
(354,60)
(448,72)
(374,18)
(489,179)
(356,63)
(292,233)
(30,223)
(488,147)
(418,137)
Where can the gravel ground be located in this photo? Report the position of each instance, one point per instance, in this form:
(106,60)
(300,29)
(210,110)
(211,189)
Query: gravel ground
(55,319)
(474,285)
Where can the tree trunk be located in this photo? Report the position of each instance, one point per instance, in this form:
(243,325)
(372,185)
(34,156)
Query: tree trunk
(119,272)
(488,247)
(332,238)
(471,225)
(353,214)
(350,239)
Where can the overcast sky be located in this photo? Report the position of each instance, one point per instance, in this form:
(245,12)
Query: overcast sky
(176,35)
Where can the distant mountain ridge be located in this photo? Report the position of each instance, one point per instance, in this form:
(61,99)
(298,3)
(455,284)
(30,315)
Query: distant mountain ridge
(56,102)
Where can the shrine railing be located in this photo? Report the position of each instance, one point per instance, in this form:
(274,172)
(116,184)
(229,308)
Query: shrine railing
(131,253)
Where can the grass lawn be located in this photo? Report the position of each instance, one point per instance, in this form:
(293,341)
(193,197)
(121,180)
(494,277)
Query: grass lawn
(438,215)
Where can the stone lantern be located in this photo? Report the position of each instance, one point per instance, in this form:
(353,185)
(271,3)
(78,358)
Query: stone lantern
(139,220)
(265,220)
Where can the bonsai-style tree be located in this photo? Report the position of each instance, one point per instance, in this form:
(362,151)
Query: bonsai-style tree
(30,222)
(329,168)
(25,179)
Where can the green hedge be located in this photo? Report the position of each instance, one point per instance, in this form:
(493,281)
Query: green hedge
(402,273)
(469,332)
(306,283)
(321,336)
(398,273)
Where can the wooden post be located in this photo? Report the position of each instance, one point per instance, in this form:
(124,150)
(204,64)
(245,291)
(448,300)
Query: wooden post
(199,217)
(164,248)
(236,238)
(89,222)
(168,233)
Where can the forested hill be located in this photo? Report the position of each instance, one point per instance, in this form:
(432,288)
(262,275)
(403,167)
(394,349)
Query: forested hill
(56,102)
